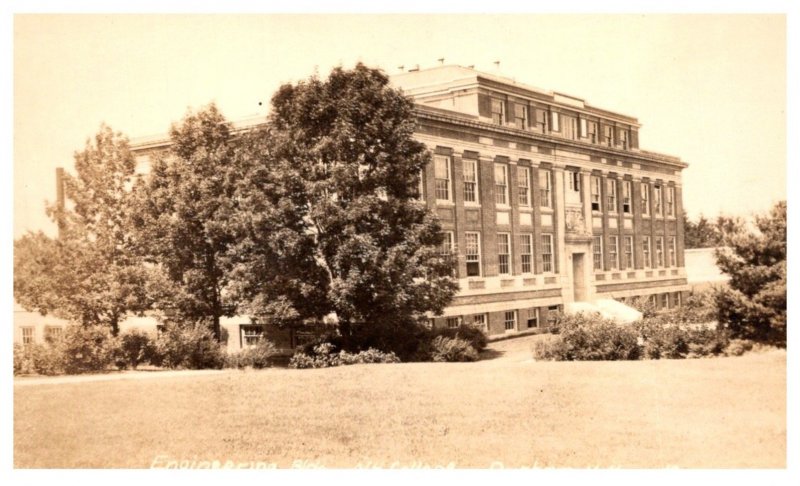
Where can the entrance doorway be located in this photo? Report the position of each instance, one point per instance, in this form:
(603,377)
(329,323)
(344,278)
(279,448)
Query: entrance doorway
(578,283)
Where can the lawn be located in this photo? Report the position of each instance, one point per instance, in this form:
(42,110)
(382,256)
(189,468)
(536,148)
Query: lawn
(510,410)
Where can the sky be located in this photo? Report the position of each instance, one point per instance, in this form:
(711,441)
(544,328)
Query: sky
(710,89)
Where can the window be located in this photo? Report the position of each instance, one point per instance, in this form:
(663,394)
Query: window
(573,193)
(510,320)
(504,253)
(647,263)
(645,199)
(526,252)
(28,335)
(421,188)
(678,299)
(479,321)
(673,257)
(595,183)
(545,188)
(453,322)
(501,184)
(552,315)
(626,196)
(608,135)
(541,120)
(473,254)
(524,185)
(547,253)
(442,175)
(582,128)
(623,138)
(471,181)
(670,201)
(554,122)
(628,252)
(53,333)
(657,198)
(521,116)
(613,255)
(570,127)
(660,251)
(448,246)
(498,111)
(251,334)
(597,252)
(611,196)
(533,318)
(592,131)
(665,301)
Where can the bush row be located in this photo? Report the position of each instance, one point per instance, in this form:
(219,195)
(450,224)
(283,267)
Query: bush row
(324,355)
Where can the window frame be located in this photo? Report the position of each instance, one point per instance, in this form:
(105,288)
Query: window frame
(448,181)
(670,201)
(672,250)
(627,195)
(513,320)
(504,192)
(611,195)
(504,265)
(548,250)
(483,321)
(524,190)
(660,256)
(658,200)
(597,253)
(555,121)
(452,322)
(595,199)
(245,336)
(526,250)
(545,193)
(647,253)
(536,318)
(613,252)
(476,257)
(645,196)
(629,253)
(28,335)
(524,118)
(475,184)
(498,117)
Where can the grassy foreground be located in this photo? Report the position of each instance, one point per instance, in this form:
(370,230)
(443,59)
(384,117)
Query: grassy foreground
(710,413)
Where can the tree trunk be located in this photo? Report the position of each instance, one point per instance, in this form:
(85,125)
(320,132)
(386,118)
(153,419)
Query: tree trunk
(115,326)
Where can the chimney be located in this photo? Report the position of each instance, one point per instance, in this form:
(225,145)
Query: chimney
(60,199)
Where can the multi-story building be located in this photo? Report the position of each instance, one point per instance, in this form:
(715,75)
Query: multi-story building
(545,200)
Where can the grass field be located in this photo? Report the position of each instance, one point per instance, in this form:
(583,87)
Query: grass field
(710,413)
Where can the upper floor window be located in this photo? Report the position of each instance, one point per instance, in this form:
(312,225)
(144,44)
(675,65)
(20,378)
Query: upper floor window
(613,252)
(592,131)
(503,253)
(448,246)
(573,192)
(547,253)
(541,120)
(521,116)
(524,185)
(421,188)
(608,135)
(673,260)
(555,124)
(570,127)
(670,203)
(472,251)
(628,241)
(471,181)
(498,111)
(28,335)
(645,199)
(597,252)
(526,252)
(611,199)
(622,136)
(442,175)
(647,262)
(626,196)
(660,251)
(545,188)
(595,187)
(582,128)
(501,184)
(657,201)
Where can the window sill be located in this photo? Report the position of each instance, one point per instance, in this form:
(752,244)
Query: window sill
(442,202)
(472,204)
(502,206)
(526,209)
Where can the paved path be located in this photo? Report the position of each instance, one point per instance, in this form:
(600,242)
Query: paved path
(125,375)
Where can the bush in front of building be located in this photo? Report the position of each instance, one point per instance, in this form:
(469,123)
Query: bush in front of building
(261,355)
(188,346)
(135,347)
(325,356)
(86,349)
(473,335)
(584,337)
(41,359)
(452,350)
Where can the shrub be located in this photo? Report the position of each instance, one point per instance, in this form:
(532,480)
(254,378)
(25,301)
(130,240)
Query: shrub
(190,346)
(590,338)
(645,305)
(135,347)
(259,356)
(42,359)
(323,356)
(737,347)
(450,350)
(85,349)
(549,349)
(473,335)
(23,364)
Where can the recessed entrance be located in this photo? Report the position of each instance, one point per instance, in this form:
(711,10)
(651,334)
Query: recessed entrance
(578,284)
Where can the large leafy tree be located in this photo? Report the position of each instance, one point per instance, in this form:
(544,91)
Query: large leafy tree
(344,161)
(701,234)
(754,304)
(89,273)
(184,218)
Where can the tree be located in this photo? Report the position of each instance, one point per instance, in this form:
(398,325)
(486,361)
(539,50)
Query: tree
(754,305)
(703,234)
(184,218)
(343,160)
(89,273)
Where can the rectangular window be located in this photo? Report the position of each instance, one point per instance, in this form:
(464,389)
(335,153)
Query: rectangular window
(623,138)
(501,184)
(28,335)
(670,201)
(592,131)
(521,116)
(533,318)
(552,315)
(673,257)
(657,199)
(626,196)
(498,111)
(555,124)
(678,299)
(251,335)
(448,246)
(524,185)
(628,252)
(645,199)
(611,199)
(613,254)
(570,125)
(53,333)
(573,192)
(608,135)
(473,254)
(545,188)
(660,251)
(547,253)
(442,175)
(421,188)
(471,181)
(510,320)
(526,252)
(541,120)
(453,322)
(504,253)
(665,301)
(597,252)
(479,321)
(647,263)
(595,186)
(582,128)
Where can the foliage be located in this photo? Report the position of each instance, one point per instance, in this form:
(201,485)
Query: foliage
(702,234)
(87,349)
(450,350)
(188,345)
(753,306)
(89,273)
(473,335)
(737,347)
(590,338)
(258,356)
(135,347)
(324,356)
(645,305)
(42,359)
(345,164)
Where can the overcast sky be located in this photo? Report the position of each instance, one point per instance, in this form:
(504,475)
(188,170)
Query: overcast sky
(710,89)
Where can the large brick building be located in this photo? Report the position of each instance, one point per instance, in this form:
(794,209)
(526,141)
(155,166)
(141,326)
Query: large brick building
(545,199)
